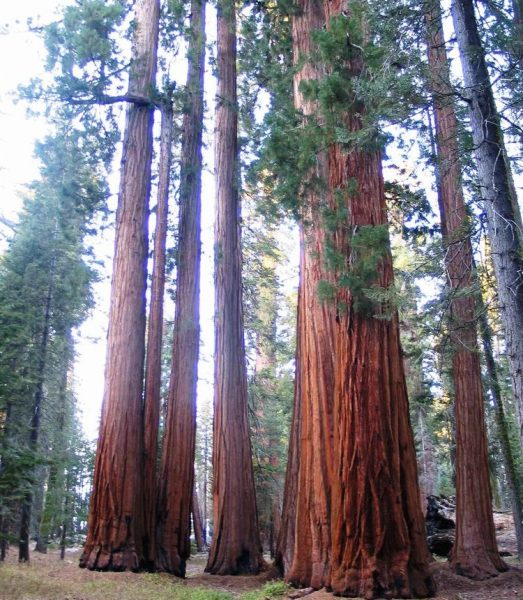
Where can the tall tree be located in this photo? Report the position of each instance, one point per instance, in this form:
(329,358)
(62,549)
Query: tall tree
(175,494)
(304,541)
(114,540)
(370,531)
(475,553)
(153,364)
(235,544)
(497,190)
(378,531)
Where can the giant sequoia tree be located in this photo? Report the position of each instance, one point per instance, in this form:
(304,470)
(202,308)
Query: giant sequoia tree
(363,531)
(175,494)
(475,551)
(235,544)
(114,539)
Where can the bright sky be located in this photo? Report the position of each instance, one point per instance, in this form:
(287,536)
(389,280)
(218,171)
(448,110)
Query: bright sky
(18,134)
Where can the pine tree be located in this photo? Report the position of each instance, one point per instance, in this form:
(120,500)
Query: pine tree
(504,222)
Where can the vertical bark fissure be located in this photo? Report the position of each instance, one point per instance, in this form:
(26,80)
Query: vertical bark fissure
(153,365)
(177,465)
(115,524)
(235,546)
(475,553)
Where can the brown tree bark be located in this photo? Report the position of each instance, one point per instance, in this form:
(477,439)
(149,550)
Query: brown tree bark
(153,365)
(303,550)
(197,522)
(177,465)
(235,546)
(115,526)
(475,553)
(504,222)
(368,538)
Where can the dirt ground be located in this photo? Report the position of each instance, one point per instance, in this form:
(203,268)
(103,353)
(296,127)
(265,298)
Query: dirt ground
(48,578)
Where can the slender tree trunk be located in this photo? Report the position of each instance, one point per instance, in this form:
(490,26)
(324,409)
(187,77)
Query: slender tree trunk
(153,365)
(115,530)
(36,416)
(4,509)
(197,523)
(235,546)
(177,466)
(475,552)
(497,190)
(514,483)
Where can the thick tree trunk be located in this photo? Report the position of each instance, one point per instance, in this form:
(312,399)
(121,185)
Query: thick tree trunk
(235,546)
(303,550)
(497,190)
(352,510)
(475,553)
(197,523)
(115,528)
(177,466)
(153,365)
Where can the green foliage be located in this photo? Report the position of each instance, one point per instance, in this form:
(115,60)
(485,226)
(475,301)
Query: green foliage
(272,589)
(45,292)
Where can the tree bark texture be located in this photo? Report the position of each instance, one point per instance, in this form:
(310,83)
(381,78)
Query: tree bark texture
(177,465)
(475,552)
(235,546)
(355,508)
(115,525)
(197,523)
(497,190)
(153,365)
(303,550)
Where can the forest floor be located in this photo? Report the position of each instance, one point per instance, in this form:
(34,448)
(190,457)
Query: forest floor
(48,578)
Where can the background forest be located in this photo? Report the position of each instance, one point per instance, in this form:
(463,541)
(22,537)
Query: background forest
(329,192)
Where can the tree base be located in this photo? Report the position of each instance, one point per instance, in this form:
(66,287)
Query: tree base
(382,583)
(98,558)
(174,565)
(246,564)
(477,568)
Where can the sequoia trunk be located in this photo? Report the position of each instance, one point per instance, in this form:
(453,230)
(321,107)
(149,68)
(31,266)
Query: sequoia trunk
(115,526)
(497,190)
(475,553)
(304,540)
(197,523)
(235,546)
(153,367)
(177,465)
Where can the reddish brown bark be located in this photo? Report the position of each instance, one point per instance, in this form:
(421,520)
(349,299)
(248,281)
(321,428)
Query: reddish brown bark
(177,465)
(153,365)
(475,553)
(368,538)
(197,523)
(304,541)
(115,529)
(235,544)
